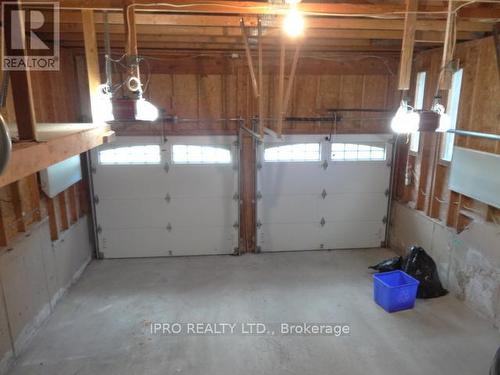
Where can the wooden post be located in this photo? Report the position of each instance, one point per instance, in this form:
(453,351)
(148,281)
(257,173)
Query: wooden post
(54,232)
(445,72)
(408,44)
(63,210)
(261,84)
(291,78)
(92,59)
(21,85)
(281,88)
(249,58)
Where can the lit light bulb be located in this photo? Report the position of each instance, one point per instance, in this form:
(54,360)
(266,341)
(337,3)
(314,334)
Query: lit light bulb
(145,111)
(104,107)
(293,25)
(405,120)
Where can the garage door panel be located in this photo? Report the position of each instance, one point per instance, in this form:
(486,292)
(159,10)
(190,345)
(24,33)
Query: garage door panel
(282,177)
(352,234)
(353,207)
(152,242)
(288,208)
(129,181)
(360,177)
(213,212)
(202,180)
(289,237)
(132,213)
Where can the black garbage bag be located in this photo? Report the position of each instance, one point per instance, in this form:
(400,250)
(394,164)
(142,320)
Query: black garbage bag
(387,265)
(422,267)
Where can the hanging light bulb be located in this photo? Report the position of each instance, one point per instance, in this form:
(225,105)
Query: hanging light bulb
(293,25)
(145,111)
(444,118)
(405,120)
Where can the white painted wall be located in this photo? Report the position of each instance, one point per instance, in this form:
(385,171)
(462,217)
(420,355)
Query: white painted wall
(468,262)
(34,274)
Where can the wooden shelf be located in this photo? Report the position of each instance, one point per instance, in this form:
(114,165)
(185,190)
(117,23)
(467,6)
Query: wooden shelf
(56,142)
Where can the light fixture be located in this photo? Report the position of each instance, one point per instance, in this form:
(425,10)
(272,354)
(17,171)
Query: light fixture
(293,24)
(444,118)
(104,110)
(405,120)
(145,111)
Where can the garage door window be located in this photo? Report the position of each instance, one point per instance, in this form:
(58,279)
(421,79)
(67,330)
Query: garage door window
(131,155)
(195,154)
(293,153)
(358,152)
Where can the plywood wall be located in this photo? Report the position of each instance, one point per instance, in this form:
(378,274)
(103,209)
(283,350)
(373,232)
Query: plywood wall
(423,177)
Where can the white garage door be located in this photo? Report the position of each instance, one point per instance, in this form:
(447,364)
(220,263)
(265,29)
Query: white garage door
(157,198)
(316,194)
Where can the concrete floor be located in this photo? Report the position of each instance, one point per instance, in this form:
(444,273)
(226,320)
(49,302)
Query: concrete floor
(100,327)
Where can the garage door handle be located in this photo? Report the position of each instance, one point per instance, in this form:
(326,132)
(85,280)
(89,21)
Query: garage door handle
(325,165)
(323,194)
(322,222)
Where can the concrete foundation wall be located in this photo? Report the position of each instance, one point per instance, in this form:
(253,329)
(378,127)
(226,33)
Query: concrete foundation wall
(468,262)
(34,273)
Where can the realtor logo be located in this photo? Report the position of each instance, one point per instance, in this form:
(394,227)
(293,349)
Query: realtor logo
(31,35)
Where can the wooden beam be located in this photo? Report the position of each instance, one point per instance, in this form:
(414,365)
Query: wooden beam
(73,204)
(54,232)
(63,210)
(496,39)
(261,82)
(29,158)
(255,7)
(281,88)
(17,203)
(92,59)
(186,20)
(408,45)
(21,82)
(445,72)
(249,59)
(291,78)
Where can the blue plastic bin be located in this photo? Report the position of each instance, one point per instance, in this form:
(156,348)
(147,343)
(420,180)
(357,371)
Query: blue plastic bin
(395,290)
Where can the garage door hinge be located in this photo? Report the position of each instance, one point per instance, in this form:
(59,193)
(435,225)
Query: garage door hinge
(236,144)
(169,227)
(236,196)
(96,199)
(236,225)
(384,220)
(258,224)
(386,192)
(323,194)
(389,163)
(322,222)
(166,167)
(168,198)
(258,166)
(93,170)
(258,195)
(99,229)
(325,165)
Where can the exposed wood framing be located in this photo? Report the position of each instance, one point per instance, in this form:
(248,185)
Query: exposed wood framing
(63,210)
(253,7)
(261,81)
(408,45)
(281,89)
(29,158)
(21,84)
(92,59)
(288,93)
(54,232)
(18,206)
(249,59)
(445,72)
